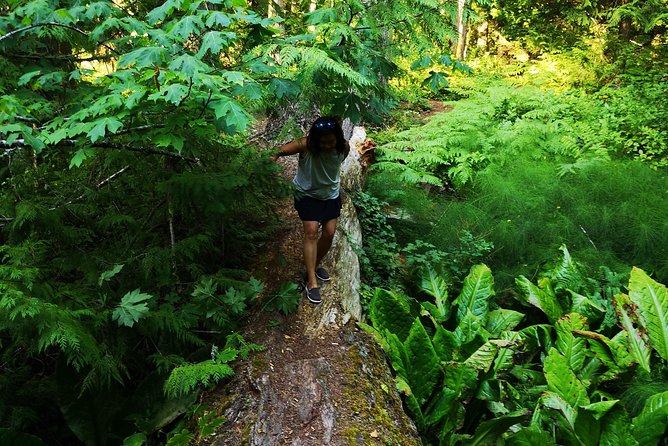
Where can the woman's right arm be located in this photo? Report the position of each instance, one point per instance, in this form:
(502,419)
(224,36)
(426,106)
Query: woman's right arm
(291,148)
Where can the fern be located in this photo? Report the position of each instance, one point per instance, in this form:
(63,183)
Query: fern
(236,343)
(186,378)
(316,59)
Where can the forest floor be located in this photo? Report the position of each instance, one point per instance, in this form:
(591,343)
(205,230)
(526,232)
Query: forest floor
(285,336)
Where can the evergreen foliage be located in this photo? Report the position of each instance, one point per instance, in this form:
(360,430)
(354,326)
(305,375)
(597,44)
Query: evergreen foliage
(531,170)
(132,201)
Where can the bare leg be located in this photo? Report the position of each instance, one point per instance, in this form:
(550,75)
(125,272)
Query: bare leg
(311,251)
(325,242)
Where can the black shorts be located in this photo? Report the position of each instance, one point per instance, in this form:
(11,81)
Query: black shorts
(313,209)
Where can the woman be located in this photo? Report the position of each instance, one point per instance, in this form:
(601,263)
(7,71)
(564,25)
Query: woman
(317,193)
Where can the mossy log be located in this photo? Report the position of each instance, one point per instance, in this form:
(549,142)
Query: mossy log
(321,380)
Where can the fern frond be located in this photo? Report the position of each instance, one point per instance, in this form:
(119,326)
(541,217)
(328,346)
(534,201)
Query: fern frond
(311,58)
(103,371)
(186,378)
(177,324)
(237,342)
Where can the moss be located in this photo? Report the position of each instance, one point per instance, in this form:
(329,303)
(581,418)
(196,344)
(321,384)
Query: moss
(246,434)
(364,401)
(258,366)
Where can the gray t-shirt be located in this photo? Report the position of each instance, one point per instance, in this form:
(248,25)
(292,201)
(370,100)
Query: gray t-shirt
(318,176)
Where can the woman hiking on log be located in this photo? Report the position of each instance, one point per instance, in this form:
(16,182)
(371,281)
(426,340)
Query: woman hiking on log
(317,193)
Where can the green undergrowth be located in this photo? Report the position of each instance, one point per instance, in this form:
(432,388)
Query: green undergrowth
(528,170)
(569,360)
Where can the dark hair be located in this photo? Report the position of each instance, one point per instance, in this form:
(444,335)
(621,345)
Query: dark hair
(323,126)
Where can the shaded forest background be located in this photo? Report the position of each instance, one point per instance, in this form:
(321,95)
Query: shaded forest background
(136,184)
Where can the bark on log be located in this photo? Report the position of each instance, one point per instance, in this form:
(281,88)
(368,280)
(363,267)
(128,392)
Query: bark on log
(321,381)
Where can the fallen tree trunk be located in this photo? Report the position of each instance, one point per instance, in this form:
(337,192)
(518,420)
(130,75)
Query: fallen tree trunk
(321,380)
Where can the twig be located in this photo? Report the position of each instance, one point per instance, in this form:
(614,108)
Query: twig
(71,58)
(587,235)
(102,145)
(61,25)
(140,128)
(206,104)
(108,179)
(24,119)
(99,185)
(7,151)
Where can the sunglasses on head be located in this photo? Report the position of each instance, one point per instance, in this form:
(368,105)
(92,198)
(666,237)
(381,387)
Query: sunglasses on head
(326,124)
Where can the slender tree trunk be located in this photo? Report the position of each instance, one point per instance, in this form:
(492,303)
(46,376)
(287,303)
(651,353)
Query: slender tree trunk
(312,7)
(462,29)
(275,8)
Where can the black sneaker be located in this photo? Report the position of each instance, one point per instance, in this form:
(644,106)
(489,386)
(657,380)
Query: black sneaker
(321,274)
(313,294)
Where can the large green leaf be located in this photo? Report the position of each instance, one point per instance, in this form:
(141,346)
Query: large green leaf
(617,430)
(587,428)
(218,19)
(143,57)
(599,409)
(459,377)
(423,362)
(132,308)
(538,337)
(445,343)
(436,81)
(585,306)
(389,310)
(397,354)
(566,274)
(501,320)
(163,11)
(172,93)
(235,116)
(102,126)
(557,402)
(477,289)
(284,88)
(185,26)
(187,66)
(574,348)
(483,358)
(637,337)
(214,42)
(611,354)
(531,437)
(599,345)
(562,381)
(469,326)
(411,402)
(443,406)
(488,432)
(435,285)
(545,299)
(650,426)
(504,357)
(652,300)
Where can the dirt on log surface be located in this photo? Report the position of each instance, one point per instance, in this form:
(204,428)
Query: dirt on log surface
(321,380)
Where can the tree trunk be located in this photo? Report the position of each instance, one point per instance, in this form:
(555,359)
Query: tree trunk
(462,29)
(275,8)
